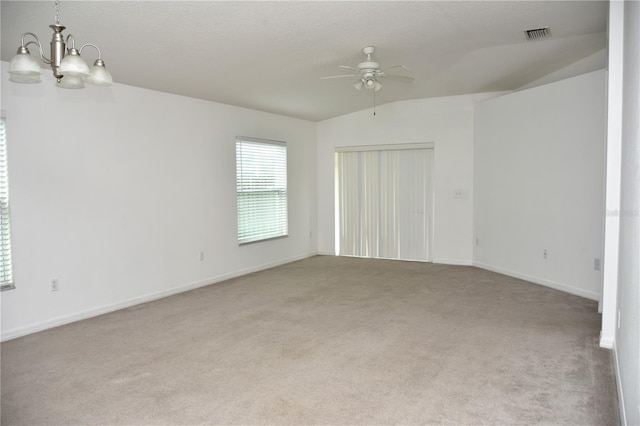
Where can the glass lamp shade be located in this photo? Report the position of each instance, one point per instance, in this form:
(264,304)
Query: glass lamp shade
(25,78)
(73,65)
(99,75)
(377,86)
(24,68)
(369,83)
(358,85)
(71,82)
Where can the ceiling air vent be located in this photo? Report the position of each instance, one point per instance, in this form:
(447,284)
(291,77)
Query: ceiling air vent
(538,33)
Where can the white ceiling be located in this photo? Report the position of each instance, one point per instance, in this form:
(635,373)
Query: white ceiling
(270,55)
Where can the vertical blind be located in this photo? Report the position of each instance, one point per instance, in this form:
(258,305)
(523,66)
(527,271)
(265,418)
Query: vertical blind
(6,276)
(261,174)
(384,203)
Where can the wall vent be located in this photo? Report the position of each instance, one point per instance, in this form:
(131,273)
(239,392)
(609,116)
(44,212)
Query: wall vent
(537,33)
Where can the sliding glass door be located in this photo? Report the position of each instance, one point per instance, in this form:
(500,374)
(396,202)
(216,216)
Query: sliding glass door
(384,202)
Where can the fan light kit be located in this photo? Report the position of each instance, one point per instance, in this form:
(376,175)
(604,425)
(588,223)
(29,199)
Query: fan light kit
(69,69)
(369,73)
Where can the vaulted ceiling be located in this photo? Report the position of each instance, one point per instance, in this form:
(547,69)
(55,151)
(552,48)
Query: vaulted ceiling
(270,55)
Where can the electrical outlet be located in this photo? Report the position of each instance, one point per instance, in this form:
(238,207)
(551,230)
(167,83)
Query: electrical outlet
(596,264)
(54,285)
(201,255)
(458,193)
(544,254)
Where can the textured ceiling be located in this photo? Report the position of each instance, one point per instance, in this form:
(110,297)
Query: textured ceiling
(270,55)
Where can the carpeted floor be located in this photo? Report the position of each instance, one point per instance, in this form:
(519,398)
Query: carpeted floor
(325,340)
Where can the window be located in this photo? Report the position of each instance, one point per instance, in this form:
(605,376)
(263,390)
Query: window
(261,175)
(6,276)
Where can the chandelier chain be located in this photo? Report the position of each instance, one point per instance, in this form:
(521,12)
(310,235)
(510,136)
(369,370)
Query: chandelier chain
(57,12)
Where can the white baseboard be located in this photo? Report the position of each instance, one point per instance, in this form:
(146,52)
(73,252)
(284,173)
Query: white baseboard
(606,342)
(616,365)
(326,253)
(94,312)
(537,280)
(460,262)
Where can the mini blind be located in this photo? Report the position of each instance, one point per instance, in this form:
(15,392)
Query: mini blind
(6,276)
(261,175)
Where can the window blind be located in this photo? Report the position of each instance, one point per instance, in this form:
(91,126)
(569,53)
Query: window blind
(261,173)
(6,275)
(384,203)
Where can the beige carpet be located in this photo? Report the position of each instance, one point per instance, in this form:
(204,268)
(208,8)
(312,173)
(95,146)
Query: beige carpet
(324,341)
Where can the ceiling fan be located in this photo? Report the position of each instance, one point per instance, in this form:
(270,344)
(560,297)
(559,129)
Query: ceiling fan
(369,72)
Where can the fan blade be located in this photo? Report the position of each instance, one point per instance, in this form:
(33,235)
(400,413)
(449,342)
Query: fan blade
(338,76)
(398,77)
(396,66)
(348,67)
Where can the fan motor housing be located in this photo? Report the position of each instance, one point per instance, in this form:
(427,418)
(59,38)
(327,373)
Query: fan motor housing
(368,65)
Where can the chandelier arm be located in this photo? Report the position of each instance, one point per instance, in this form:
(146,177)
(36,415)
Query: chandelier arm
(37,43)
(73,41)
(94,46)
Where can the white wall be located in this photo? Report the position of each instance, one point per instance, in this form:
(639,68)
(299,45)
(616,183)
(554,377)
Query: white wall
(627,341)
(539,183)
(115,191)
(448,123)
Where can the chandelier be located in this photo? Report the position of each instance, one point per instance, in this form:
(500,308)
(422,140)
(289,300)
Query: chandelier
(69,69)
